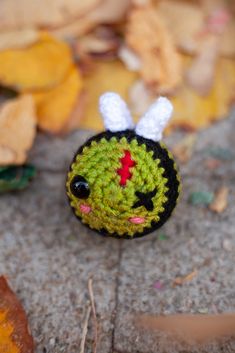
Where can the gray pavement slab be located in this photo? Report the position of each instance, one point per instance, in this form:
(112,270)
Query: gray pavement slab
(49,256)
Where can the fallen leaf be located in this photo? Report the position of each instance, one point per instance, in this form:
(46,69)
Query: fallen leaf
(220,201)
(187,23)
(55,106)
(184,20)
(183,150)
(17,129)
(227,43)
(75,118)
(140,97)
(221,20)
(129,58)
(43,13)
(15,178)
(200,76)
(41,65)
(18,39)
(101,43)
(179,281)
(106,76)
(148,37)
(191,111)
(107,12)
(201,198)
(194,112)
(7,93)
(14,330)
(191,328)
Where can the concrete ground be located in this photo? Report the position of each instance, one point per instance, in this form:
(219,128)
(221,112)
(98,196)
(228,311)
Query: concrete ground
(49,256)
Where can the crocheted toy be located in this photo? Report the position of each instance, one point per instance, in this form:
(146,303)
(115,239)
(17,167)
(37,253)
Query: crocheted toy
(123,182)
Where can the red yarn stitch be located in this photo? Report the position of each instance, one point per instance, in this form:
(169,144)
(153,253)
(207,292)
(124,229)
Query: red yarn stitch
(124,172)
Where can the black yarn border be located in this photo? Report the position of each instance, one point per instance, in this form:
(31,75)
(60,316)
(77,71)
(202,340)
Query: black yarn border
(170,173)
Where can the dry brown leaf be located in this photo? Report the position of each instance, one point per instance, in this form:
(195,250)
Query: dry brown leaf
(200,76)
(18,39)
(184,21)
(193,112)
(77,28)
(178,281)
(17,129)
(14,331)
(107,76)
(148,36)
(199,328)
(55,106)
(129,58)
(187,24)
(41,65)
(24,13)
(74,120)
(220,201)
(102,42)
(108,12)
(140,98)
(227,42)
(183,150)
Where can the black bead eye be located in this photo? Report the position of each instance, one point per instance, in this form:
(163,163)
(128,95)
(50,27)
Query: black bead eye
(79,187)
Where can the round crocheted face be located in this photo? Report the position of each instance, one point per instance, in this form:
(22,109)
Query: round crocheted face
(122,184)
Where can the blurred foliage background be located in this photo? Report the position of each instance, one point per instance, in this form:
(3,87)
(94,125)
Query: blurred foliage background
(57,57)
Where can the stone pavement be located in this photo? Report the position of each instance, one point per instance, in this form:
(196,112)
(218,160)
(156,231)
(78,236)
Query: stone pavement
(49,256)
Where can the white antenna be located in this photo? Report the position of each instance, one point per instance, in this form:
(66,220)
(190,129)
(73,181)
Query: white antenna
(115,112)
(153,122)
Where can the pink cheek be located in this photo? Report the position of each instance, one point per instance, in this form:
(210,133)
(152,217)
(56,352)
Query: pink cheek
(137,220)
(85,208)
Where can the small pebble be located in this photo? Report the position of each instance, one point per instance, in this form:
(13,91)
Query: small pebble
(203,310)
(52,341)
(227,245)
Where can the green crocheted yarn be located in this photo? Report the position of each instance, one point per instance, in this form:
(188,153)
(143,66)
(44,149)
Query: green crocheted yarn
(111,204)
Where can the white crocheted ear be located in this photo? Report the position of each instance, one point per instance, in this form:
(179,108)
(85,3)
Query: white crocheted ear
(115,113)
(153,122)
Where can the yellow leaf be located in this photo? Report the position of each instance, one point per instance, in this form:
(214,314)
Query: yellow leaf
(14,333)
(107,76)
(43,13)
(107,11)
(17,129)
(55,106)
(18,39)
(41,65)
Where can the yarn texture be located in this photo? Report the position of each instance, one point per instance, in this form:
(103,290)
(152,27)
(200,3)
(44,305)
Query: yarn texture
(132,180)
